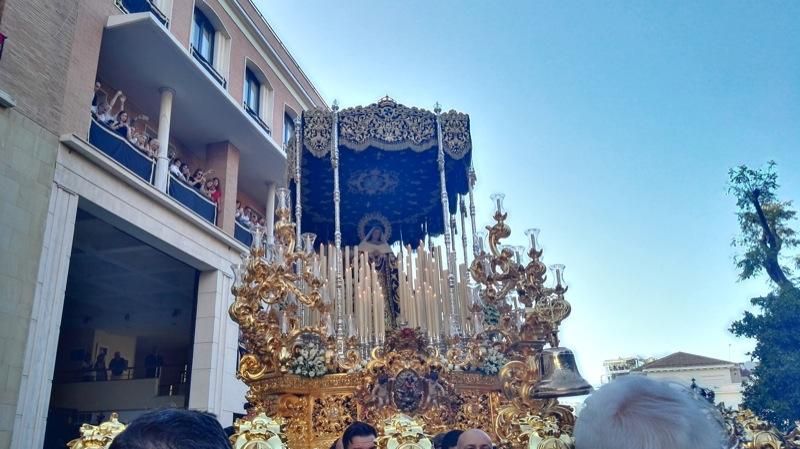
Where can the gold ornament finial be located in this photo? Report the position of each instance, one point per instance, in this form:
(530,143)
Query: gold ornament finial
(98,437)
(257,432)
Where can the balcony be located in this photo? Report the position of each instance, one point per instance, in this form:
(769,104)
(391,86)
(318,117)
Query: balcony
(203,112)
(119,149)
(242,234)
(191,198)
(137,6)
(208,127)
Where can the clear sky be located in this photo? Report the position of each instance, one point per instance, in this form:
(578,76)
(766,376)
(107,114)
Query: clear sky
(609,125)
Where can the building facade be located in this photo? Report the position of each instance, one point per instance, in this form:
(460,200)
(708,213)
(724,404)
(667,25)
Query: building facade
(722,377)
(103,249)
(621,366)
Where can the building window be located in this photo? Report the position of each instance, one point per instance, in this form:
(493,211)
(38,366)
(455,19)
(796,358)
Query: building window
(288,128)
(203,37)
(252,93)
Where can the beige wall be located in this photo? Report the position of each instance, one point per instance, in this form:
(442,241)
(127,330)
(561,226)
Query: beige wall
(25,183)
(720,379)
(135,394)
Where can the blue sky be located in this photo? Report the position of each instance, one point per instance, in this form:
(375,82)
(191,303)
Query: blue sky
(609,125)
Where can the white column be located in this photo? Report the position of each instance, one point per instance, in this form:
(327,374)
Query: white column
(164,119)
(43,330)
(214,386)
(270,211)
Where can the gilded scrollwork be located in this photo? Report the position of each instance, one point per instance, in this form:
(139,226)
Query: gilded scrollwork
(98,437)
(475,411)
(333,413)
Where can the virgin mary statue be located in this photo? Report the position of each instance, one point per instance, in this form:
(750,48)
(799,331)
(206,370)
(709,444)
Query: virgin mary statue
(375,245)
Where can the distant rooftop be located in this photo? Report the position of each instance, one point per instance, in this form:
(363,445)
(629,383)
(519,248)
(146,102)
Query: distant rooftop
(683,360)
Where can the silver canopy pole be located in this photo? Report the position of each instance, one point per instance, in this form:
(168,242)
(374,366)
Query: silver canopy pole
(455,326)
(337,236)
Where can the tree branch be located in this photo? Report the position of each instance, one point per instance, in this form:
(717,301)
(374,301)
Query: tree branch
(772,244)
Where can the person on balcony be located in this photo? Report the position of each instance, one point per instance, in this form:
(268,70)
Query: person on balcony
(141,140)
(121,125)
(100,365)
(246,218)
(124,126)
(186,174)
(212,191)
(239,212)
(198,179)
(117,366)
(152,147)
(102,111)
(87,370)
(175,168)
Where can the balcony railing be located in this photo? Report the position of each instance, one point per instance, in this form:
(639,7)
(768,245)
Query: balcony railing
(209,67)
(134,6)
(254,115)
(119,149)
(191,198)
(242,234)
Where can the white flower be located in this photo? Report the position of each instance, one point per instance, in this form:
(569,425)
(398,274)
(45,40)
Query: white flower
(310,361)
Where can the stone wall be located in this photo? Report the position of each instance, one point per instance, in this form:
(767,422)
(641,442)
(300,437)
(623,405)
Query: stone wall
(26,176)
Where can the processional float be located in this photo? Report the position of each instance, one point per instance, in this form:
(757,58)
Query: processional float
(348,310)
(338,326)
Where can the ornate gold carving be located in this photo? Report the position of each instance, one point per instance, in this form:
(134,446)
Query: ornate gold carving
(748,431)
(333,413)
(98,437)
(402,432)
(257,432)
(317,131)
(456,137)
(388,126)
(475,411)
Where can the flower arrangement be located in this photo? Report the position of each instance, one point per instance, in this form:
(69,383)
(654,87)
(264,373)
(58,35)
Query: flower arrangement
(492,361)
(491,316)
(309,361)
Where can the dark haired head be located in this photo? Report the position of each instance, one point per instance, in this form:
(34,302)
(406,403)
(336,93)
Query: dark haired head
(450,439)
(172,429)
(356,430)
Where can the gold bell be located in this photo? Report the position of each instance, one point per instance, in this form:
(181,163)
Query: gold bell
(560,376)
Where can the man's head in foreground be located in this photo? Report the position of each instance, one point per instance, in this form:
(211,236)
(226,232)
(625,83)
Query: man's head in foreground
(359,435)
(172,429)
(635,412)
(474,439)
(337,444)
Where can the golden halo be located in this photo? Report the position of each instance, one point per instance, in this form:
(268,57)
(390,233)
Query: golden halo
(372,219)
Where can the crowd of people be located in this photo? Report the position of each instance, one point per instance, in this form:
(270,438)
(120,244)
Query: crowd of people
(200,179)
(122,123)
(98,370)
(128,128)
(247,217)
(633,412)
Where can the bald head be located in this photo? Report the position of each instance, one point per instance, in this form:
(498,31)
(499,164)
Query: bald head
(474,439)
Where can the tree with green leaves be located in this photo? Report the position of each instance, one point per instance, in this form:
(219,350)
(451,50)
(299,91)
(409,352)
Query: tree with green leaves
(768,245)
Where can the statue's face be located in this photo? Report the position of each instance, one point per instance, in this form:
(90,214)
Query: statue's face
(376,234)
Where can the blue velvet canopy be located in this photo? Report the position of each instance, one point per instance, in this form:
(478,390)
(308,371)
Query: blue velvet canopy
(388,171)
